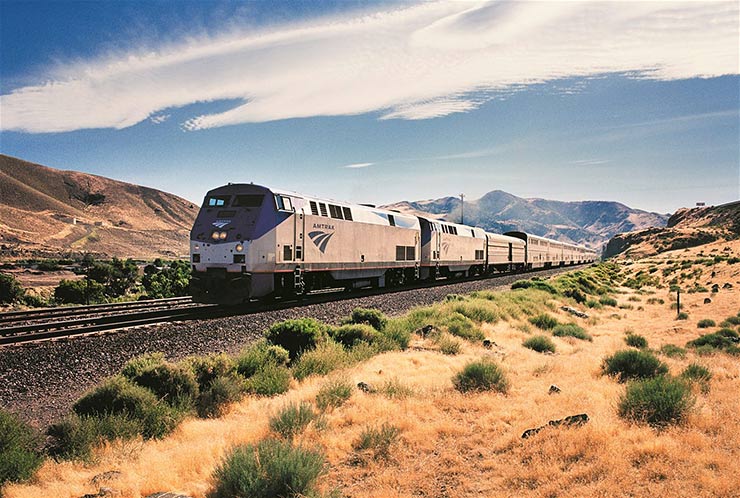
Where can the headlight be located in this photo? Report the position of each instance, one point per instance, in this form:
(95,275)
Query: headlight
(239,248)
(214,235)
(222,235)
(196,247)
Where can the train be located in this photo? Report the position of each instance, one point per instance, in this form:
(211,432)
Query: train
(250,242)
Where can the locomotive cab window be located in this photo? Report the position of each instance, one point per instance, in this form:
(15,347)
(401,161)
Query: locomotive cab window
(347,213)
(248,200)
(314,208)
(218,200)
(284,203)
(392,220)
(336,212)
(323,209)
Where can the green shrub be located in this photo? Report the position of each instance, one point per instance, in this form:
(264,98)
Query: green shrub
(83,291)
(19,445)
(378,440)
(297,336)
(172,383)
(571,330)
(481,375)
(271,380)
(395,389)
(11,290)
(633,364)
(350,335)
(723,339)
(655,300)
(659,401)
(636,341)
(673,351)
(258,356)
(592,303)
(333,394)
(730,321)
(706,323)
(476,311)
(462,326)
(448,345)
(218,394)
(535,284)
(544,321)
(74,437)
(398,333)
(375,318)
(292,419)
(118,396)
(208,368)
(697,372)
(325,358)
(682,316)
(271,468)
(607,301)
(539,343)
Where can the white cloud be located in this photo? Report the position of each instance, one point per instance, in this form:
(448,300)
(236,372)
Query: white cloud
(416,62)
(159,118)
(357,165)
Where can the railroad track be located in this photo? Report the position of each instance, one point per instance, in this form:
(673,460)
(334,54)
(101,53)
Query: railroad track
(49,323)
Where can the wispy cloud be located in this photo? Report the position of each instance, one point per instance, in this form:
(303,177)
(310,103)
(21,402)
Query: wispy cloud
(159,118)
(590,162)
(357,165)
(417,62)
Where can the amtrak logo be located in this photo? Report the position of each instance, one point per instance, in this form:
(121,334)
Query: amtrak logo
(320,239)
(220,223)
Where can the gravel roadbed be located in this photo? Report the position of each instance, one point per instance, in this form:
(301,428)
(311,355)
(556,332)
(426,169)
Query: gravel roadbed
(40,381)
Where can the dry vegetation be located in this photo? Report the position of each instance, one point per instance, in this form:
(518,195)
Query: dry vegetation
(446,443)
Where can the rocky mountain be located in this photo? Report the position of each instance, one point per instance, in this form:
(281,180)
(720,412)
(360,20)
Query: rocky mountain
(685,228)
(46,212)
(591,223)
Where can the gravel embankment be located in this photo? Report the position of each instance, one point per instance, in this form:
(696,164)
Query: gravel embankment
(41,381)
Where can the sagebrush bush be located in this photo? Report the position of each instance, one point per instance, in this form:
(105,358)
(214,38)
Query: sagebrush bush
(351,334)
(258,356)
(172,383)
(730,321)
(706,323)
(375,318)
(325,358)
(477,311)
(544,321)
(75,437)
(633,364)
(292,419)
(297,336)
(271,468)
(333,394)
(208,368)
(636,341)
(19,449)
(218,394)
(398,333)
(395,389)
(697,372)
(271,380)
(539,343)
(682,316)
(571,330)
(607,301)
(481,375)
(673,351)
(378,440)
(462,326)
(535,284)
(119,396)
(659,401)
(723,339)
(447,344)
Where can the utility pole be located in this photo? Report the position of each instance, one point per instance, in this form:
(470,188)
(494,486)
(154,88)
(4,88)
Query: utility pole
(462,209)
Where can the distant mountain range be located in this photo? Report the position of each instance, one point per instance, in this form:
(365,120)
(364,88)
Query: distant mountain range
(46,212)
(591,223)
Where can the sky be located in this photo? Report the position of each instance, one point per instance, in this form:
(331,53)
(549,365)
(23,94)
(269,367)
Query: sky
(378,102)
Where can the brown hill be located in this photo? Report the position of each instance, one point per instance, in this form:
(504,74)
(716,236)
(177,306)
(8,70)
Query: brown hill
(48,212)
(685,228)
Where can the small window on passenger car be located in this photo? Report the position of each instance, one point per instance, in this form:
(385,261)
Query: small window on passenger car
(347,213)
(322,206)
(392,220)
(400,253)
(410,253)
(314,208)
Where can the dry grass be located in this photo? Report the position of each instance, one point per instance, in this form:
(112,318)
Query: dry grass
(457,445)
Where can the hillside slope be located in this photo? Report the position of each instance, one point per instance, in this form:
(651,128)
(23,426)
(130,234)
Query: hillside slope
(686,228)
(585,222)
(44,211)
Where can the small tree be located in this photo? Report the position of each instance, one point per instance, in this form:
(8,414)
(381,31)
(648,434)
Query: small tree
(11,290)
(168,281)
(79,292)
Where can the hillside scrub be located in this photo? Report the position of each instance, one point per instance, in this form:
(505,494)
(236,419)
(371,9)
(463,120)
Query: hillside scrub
(633,364)
(658,402)
(372,317)
(539,343)
(636,341)
(19,449)
(571,330)
(481,375)
(297,336)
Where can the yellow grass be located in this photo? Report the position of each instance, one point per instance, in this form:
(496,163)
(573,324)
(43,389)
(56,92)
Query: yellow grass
(470,445)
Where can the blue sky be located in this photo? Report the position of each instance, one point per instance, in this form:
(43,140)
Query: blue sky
(636,102)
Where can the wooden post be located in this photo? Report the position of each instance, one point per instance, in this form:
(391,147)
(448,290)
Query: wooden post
(678,302)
